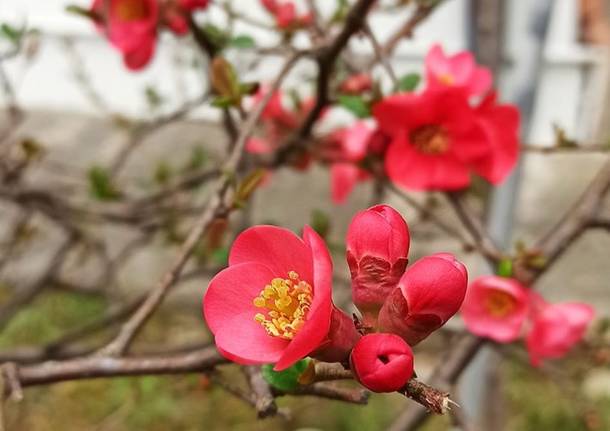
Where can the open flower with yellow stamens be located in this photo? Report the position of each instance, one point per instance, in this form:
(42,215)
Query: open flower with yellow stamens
(496,308)
(273,303)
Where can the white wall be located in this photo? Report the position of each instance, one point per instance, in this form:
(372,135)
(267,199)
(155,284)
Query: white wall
(48,82)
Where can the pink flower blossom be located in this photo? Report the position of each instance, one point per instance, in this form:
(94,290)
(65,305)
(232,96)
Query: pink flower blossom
(351,147)
(377,248)
(273,303)
(286,15)
(438,139)
(501,126)
(556,328)
(428,294)
(382,362)
(496,308)
(130,26)
(459,70)
(356,84)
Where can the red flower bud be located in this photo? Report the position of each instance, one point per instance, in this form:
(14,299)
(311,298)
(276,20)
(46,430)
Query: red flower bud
(428,294)
(382,362)
(356,84)
(377,247)
(342,335)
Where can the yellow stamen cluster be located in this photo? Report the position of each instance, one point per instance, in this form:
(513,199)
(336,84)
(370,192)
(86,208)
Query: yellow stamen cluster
(430,139)
(446,78)
(286,301)
(131,10)
(499,304)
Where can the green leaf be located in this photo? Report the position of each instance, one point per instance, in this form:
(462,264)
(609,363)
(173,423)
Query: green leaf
(242,41)
(223,102)
(11,33)
(248,88)
(287,380)
(163,172)
(217,36)
(505,268)
(320,222)
(81,11)
(100,184)
(153,98)
(220,256)
(356,105)
(408,82)
(197,159)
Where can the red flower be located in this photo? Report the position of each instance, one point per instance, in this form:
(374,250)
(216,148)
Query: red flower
(175,14)
(496,308)
(277,121)
(435,139)
(356,84)
(130,25)
(350,147)
(501,126)
(377,248)
(273,303)
(285,13)
(438,139)
(556,329)
(382,362)
(459,70)
(428,294)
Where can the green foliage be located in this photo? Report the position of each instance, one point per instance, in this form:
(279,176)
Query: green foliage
(408,82)
(287,380)
(101,186)
(242,41)
(355,104)
(153,98)
(49,316)
(11,33)
(505,268)
(220,256)
(163,172)
(197,159)
(320,222)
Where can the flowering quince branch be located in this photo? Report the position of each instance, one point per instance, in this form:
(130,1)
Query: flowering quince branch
(276,291)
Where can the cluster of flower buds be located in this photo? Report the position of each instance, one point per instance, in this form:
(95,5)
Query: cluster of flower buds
(400,305)
(131,26)
(504,310)
(273,304)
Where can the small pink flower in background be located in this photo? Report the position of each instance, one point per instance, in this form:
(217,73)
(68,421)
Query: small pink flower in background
(130,25)
(286,15)
(175,14)
(429,293)
(356,84)
(459,70)
(496,308)
(501,126)
(436,139)
(278,121)
(273,303)
(350,147)
(382,362)
(556,328)
(377,248)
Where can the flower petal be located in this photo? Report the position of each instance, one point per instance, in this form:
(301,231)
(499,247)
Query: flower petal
(229,313)
(317,324)
(277,248)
